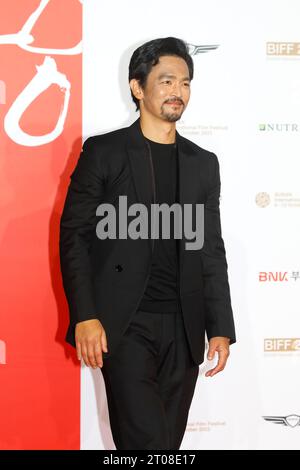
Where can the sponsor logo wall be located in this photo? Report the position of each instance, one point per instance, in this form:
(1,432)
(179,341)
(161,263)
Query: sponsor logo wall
(244,107)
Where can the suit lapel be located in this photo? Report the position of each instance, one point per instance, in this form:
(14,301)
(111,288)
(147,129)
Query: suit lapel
(140,166)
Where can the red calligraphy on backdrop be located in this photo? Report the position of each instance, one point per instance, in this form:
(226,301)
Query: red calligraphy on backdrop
(41,128)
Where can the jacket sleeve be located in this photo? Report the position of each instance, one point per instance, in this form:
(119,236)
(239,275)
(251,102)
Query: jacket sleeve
(77,225)
(218,312)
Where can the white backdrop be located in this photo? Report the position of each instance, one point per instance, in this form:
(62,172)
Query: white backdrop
(244,107)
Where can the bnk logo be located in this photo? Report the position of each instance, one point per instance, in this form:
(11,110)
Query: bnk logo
(277,276)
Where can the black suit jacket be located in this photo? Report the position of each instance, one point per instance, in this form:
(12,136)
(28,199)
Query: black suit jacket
(106,279)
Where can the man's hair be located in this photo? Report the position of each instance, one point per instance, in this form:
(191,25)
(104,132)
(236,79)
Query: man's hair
(147,55)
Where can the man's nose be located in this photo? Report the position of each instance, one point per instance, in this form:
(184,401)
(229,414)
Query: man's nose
(176,90)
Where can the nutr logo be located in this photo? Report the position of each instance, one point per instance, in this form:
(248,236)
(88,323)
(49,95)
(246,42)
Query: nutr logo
(2,352)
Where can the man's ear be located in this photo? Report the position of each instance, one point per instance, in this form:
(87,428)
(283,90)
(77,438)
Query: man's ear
(136,88)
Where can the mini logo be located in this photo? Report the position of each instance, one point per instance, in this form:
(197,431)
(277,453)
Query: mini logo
(292,420)
(194,50)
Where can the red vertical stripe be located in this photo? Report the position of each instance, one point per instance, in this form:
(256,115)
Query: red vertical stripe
(39,373)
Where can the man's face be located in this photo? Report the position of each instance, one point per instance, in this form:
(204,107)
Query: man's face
(167,90)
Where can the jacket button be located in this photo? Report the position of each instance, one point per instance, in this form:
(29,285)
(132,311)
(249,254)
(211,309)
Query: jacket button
(118,267)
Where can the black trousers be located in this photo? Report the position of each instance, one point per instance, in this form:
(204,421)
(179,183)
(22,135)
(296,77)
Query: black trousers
(150,381)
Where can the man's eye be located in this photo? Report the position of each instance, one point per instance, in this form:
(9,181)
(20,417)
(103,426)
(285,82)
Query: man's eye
(167,81)
(187,84)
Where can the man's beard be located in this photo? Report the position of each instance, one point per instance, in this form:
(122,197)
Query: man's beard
(171,116)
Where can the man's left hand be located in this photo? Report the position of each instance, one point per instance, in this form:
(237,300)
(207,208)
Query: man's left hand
(219,344)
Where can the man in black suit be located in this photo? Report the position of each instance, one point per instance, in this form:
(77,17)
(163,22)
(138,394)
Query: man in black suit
(140,304)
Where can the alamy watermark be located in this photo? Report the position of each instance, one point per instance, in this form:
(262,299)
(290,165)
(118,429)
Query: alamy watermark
(138,227)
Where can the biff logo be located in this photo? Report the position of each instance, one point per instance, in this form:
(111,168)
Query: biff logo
(283,48)
(281,344)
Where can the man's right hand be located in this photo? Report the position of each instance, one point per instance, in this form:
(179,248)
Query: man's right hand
(90,340)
